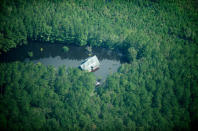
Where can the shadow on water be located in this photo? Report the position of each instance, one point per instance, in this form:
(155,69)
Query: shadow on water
(53,54)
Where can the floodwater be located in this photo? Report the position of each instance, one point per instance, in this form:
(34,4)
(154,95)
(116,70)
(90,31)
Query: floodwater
(53,54)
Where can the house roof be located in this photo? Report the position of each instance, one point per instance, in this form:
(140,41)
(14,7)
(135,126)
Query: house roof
(90,62)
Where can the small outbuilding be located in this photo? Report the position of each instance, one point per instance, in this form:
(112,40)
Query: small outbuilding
(90,64)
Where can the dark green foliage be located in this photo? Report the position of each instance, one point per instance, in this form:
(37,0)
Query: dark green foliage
(38,98)
(65,49)
(97,23)
(156,90)
(132,54)
(30,54)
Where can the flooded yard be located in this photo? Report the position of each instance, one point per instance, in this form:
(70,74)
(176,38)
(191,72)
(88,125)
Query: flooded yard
(53,54)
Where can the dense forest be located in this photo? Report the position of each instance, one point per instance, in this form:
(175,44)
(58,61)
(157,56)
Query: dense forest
(156,89)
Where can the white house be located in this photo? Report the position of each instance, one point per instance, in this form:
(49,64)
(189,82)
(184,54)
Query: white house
(90,64)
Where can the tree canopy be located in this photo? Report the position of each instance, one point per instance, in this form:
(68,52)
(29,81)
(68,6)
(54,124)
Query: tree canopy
(155,90)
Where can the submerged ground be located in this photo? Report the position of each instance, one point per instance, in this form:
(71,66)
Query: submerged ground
(155,90)
(53,55)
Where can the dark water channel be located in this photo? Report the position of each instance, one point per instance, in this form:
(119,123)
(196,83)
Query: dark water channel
(53,54)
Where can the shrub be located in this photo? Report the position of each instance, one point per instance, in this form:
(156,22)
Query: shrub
(65,49)
(30,54)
